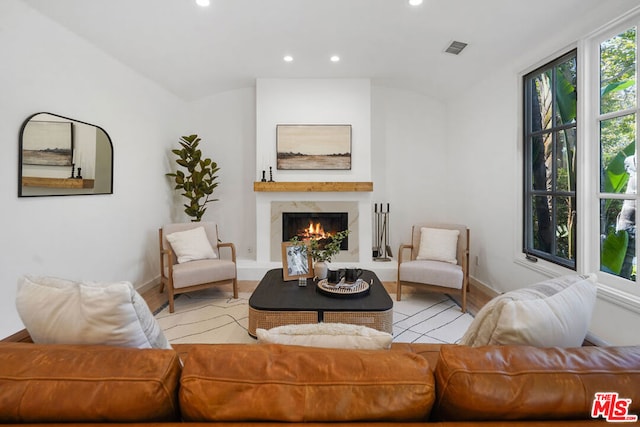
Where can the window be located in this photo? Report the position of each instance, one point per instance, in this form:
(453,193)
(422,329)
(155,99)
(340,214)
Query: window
(616,116)
(580,162)
(550,144)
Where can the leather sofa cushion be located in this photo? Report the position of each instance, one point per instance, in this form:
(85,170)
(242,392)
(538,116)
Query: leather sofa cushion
(303,384)
(78,383)
(529,383)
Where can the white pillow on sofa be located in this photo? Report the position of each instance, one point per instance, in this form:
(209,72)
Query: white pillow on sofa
(58,311)
(328,335)
(191,245)
(553,313)
(438,244)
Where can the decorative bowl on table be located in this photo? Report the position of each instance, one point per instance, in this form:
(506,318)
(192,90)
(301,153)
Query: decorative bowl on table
(342,288)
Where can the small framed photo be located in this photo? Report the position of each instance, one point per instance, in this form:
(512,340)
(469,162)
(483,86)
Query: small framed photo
(296,261)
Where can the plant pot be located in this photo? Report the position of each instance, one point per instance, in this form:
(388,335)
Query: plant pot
(320,269)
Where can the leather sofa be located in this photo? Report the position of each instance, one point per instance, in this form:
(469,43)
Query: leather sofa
(240,384)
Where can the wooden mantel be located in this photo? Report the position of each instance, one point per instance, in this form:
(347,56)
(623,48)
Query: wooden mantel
(32,181)
(292,187)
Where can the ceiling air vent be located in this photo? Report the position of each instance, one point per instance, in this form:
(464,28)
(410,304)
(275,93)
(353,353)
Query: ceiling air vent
(455,47)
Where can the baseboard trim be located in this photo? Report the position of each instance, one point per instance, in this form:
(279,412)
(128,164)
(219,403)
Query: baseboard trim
(591,339)
(145,287)
(20,336)
(483,287)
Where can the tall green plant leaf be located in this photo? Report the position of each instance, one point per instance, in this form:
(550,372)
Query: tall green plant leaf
(616,86)
(614,249)
(616,176)
(567,99)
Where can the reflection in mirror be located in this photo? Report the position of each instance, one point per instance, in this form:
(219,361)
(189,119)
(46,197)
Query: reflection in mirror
(61,156)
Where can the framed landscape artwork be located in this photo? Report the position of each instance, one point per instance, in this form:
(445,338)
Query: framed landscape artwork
(47,143)
(313,147)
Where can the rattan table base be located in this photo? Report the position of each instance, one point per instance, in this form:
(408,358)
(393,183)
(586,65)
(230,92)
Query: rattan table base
(270,319)
(380,320)
(277,303)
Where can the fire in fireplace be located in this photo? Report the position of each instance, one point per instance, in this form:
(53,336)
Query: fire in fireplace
(314,225)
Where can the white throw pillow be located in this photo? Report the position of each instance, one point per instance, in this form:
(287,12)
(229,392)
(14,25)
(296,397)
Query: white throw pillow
(438,244)
(58,311)
(553,313)
(191,245)
(328,335)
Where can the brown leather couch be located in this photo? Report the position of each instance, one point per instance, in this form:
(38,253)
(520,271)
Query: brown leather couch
(239,384)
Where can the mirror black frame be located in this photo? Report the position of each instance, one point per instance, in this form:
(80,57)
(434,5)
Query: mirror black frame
(63,191)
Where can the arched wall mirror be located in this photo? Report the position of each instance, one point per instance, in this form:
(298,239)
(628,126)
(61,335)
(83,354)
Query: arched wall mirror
(60,156)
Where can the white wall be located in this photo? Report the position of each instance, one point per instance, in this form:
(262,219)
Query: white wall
(408,159)
(313,101)
(227,124)
(44,67)
(485,192)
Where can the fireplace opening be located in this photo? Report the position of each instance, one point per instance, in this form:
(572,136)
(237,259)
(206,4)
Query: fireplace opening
(314,225)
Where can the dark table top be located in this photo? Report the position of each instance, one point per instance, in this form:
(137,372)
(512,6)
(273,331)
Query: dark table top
(274,294)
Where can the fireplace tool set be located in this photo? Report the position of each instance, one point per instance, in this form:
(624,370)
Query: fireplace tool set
(381,249)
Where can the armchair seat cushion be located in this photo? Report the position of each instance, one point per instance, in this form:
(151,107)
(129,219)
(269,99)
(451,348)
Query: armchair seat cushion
(202,271)
(429,272)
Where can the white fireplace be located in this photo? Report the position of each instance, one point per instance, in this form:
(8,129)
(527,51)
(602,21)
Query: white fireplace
(268,249)
(270,206)
(351,209)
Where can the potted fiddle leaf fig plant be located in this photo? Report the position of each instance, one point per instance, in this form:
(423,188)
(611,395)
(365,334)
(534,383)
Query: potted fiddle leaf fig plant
(322,250)
(198,180)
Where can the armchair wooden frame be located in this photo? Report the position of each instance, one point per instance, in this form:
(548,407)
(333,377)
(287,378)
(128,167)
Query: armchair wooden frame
(462,257)
(167,261)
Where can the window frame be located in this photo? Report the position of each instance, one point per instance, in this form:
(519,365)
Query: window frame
(616,289)
(530,253)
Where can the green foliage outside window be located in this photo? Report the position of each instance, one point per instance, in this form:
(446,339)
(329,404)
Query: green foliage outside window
(618,154)
(551,146)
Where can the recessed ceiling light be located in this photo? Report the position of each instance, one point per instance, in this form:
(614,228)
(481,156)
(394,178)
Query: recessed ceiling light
(415,2)
(288,58)
(203,3)
(335,58)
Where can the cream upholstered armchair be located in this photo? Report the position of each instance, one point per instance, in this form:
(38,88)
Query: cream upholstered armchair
(439,260)
(190,259)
